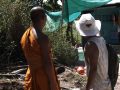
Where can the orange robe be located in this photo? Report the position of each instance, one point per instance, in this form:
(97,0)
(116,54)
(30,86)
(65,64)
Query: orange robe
(36,77)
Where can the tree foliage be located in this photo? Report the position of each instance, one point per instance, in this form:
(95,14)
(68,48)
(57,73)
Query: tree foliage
(14,20)
(63,50)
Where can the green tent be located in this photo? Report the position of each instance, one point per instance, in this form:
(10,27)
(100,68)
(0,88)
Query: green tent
(72,8)
(54,20)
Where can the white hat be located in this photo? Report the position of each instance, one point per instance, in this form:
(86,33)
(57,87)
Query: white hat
(87,25)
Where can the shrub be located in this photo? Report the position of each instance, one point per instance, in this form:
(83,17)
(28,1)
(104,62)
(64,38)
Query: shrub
(62,49)
(14,18)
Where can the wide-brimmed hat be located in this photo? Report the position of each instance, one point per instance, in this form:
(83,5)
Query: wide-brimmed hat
(87,25)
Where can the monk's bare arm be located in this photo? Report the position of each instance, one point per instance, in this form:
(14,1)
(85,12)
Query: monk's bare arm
(91,55)
(48,62)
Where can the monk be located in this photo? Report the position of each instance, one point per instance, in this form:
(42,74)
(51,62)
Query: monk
(41,73)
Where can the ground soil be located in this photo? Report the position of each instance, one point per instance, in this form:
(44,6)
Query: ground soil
(69,80)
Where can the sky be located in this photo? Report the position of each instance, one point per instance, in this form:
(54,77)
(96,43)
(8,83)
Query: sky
(114,1)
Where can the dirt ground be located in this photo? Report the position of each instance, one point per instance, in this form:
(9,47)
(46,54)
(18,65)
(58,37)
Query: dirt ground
(69,80)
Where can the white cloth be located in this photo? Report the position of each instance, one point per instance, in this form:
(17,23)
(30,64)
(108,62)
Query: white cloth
(101,81)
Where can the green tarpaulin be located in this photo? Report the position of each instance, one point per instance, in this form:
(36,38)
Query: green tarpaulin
(72,8)
(54,20)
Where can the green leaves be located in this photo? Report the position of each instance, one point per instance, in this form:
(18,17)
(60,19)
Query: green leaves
(62,49)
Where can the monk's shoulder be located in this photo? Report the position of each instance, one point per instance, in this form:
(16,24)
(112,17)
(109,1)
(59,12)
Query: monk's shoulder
(24,36)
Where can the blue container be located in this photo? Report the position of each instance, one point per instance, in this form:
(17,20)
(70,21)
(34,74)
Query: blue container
(81,54)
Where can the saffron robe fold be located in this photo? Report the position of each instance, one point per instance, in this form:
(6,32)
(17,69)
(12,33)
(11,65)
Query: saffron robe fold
(36,77)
